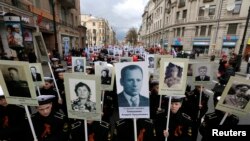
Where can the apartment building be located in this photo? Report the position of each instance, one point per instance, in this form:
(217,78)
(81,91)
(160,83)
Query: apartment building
(58,21)
(99,32)
(207,26)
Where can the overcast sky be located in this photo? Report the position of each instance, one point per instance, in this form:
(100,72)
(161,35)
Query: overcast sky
(121,14)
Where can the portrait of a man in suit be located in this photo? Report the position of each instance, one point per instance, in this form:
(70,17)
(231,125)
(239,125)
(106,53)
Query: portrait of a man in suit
(132,80)
(78,66)
(35,75)
(202,70)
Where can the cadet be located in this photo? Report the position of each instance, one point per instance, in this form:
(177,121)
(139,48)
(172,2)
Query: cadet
(12,118)
(179,129)
(124,130)
(49,125)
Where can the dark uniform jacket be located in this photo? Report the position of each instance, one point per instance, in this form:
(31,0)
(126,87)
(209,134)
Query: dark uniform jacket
(12,118)
(124,103)
(55,127)
(124,130)
(18,88)
(180,128)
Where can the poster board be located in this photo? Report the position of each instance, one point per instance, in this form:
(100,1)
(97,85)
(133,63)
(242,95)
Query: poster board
(169,83)
(40,47)
(202,73)
(76,85)
(21,90)
(132,81)
(36,73)
(78,64)
(235,97)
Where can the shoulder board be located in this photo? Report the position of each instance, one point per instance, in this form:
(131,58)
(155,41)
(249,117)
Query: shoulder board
(76,124)
(59,115)
(104,124)
(120,122)
(149,120)
(186,116)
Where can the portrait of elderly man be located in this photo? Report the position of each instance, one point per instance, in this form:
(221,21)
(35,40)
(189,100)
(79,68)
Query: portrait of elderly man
(202,76)
(240,98)
(132,81)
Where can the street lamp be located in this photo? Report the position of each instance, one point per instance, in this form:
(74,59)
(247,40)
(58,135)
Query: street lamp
(239,57)
(54,23)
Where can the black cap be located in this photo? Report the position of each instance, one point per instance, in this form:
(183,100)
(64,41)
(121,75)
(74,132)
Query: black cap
(45,99)
(2,96)
(177,99)
(242,85)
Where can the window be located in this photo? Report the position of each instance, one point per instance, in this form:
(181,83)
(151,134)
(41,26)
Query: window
(232,29)
(183,31)
(209,30)
(93,23)
(196,30)
(237,6)
(203,31)
(202,11)
(178,32)
(94,31)
(184,14)
(211,10)
(177,15)
(181,3)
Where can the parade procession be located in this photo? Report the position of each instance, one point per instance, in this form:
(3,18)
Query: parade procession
(58,87)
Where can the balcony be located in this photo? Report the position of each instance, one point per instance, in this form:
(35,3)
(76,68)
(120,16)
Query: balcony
(202,18)
(68,3)
(180,21)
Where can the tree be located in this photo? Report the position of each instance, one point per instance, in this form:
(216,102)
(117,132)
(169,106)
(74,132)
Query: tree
(132,36)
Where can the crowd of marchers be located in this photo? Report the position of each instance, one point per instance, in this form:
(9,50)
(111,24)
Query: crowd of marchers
(188,114)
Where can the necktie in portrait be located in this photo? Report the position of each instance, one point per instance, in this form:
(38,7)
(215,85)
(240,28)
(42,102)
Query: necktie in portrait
(133,101)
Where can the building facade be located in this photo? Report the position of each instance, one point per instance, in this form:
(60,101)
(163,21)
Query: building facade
(58,21)
(99,32)
(207,26)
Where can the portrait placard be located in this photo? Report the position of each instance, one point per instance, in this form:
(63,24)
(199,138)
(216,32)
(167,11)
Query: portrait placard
(158,60)
(83,96)
(17,77)
(78,64)
(190,69)
(40,47)
(173,76)
(106,73)
(150,59)
(125,59)
(235,97)
(3,88)
(202,73)
(132,89)
(36,72)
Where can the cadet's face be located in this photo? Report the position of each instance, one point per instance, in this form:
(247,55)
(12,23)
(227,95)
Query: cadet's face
(132,82)
(3,102)
(45,109)
(203,72)
(47,85)
(60,75)
(13,75)
(175,106)
(82,92)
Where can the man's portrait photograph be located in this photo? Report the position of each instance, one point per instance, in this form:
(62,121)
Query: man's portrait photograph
(83,96)
(78,64)
(19,83)
(132,88)
(151,61)
(190,69)
(36,73)
(106,72)
(202,72)
(235,97)
(173,75)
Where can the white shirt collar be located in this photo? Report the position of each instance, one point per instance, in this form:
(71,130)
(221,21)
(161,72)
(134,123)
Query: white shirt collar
(128,97)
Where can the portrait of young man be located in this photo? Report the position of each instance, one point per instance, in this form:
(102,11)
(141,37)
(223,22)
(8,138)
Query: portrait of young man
(78,64)
(35,75)
(202,74)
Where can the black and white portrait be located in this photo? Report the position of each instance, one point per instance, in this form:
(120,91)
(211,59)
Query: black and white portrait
(132,87)
(151,61)
(18,80)
(202,72)
(83,96)
(36,73)
(173,74)
(235,97)
(78,64)
(40,47)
